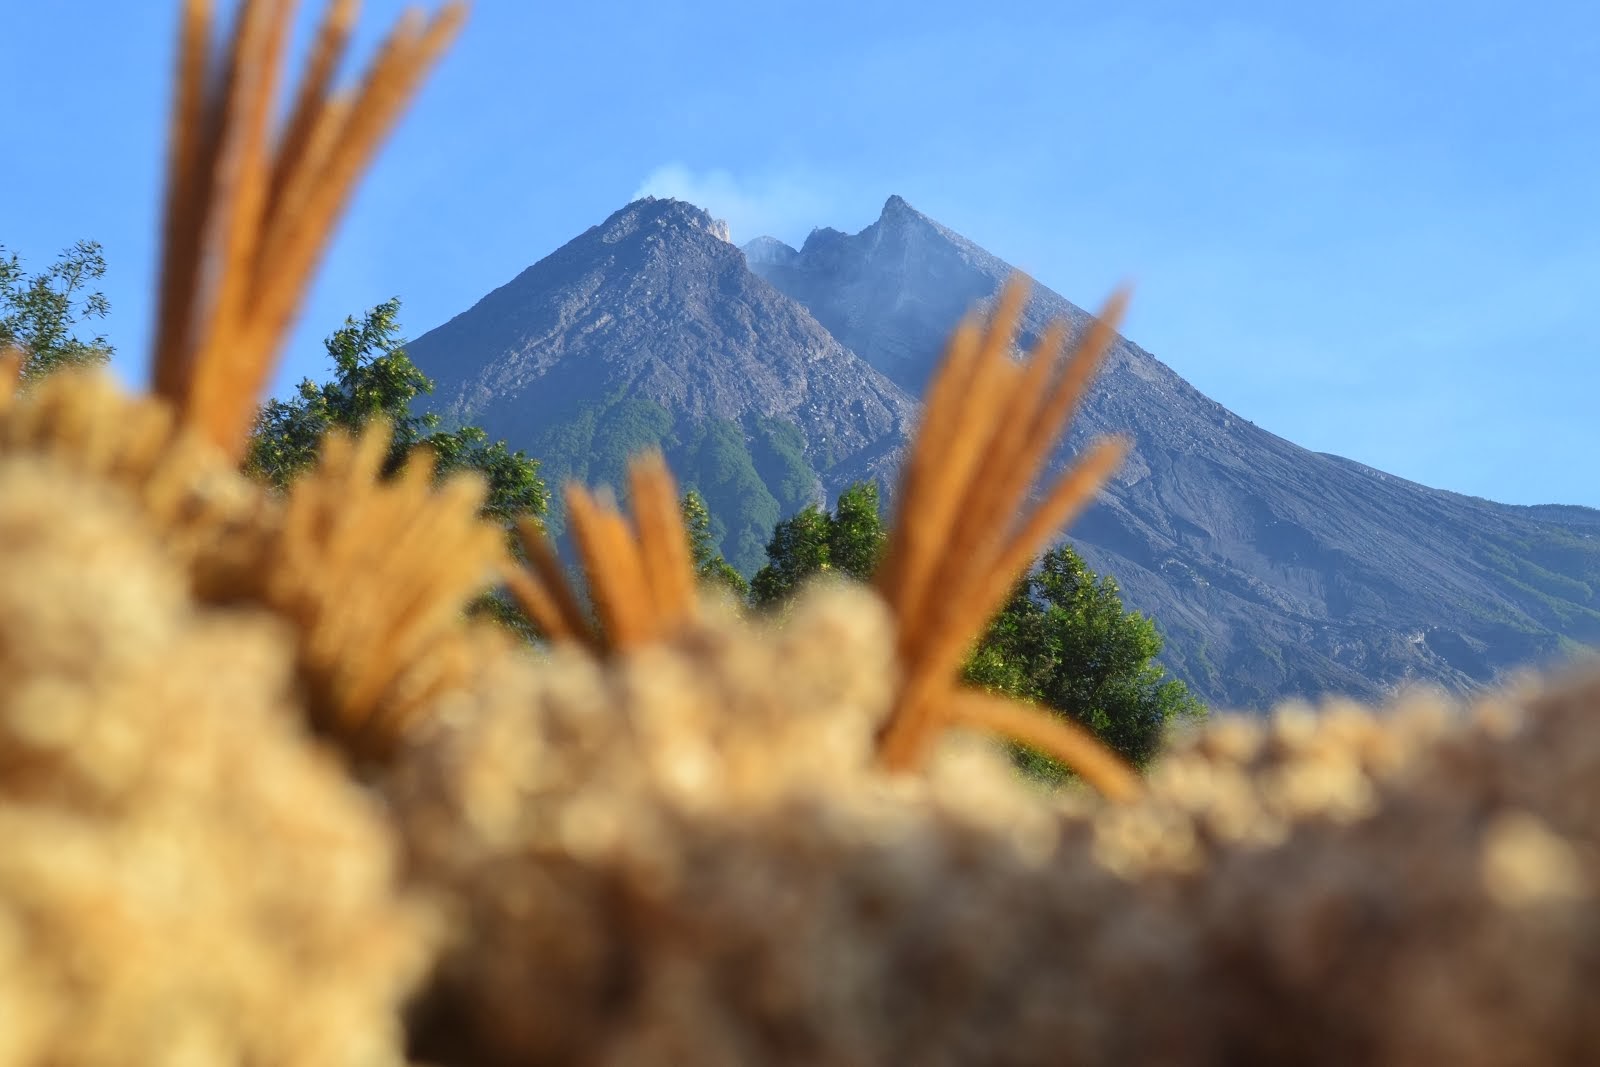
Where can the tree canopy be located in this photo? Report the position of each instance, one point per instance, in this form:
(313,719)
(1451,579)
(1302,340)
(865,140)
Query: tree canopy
(38,312)
(373,377)
(1062,641)
(709,565)
(849,541)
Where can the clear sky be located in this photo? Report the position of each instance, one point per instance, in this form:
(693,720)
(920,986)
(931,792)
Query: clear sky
(1372,227)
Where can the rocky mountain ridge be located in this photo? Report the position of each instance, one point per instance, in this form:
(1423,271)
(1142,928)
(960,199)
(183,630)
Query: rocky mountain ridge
(650,329)
(776,376)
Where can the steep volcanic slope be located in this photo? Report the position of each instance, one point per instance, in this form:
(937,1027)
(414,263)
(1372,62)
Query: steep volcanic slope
(1273,571)
(774,377)
(886,291)
(650,329)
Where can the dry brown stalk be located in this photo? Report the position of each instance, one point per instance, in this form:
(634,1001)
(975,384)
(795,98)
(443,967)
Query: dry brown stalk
(374,573)
(987,430)
(663,542)
(309,106)
(641,576)
(248,214)
(974,599)
(543,593)
(610,560)
(1062,738)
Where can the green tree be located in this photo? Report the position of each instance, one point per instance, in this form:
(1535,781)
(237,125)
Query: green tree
(708,562)
(38,313)
(1063,641)
(373,377)
(797,551)
(849,541)
(856,538)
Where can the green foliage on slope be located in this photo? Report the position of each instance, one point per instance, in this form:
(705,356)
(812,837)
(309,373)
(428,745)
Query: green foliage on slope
(747,475)
(1558,572)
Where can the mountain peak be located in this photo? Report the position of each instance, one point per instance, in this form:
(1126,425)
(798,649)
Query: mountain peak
(821,238)
(650,329)
(896,206)
(891,292)
(663,212)
(769,250)
(774,378)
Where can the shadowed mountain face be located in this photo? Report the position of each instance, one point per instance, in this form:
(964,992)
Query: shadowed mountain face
(778,376)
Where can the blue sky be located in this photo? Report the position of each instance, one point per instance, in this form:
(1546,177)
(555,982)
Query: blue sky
(1370,227)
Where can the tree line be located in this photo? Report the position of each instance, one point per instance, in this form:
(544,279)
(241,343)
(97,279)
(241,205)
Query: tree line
(1063,639)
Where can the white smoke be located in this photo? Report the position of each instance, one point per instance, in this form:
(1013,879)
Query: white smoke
(785,206)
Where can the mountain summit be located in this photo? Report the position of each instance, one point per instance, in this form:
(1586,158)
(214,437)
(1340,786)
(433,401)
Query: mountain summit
(649,329)
(885,291)
(773,376)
